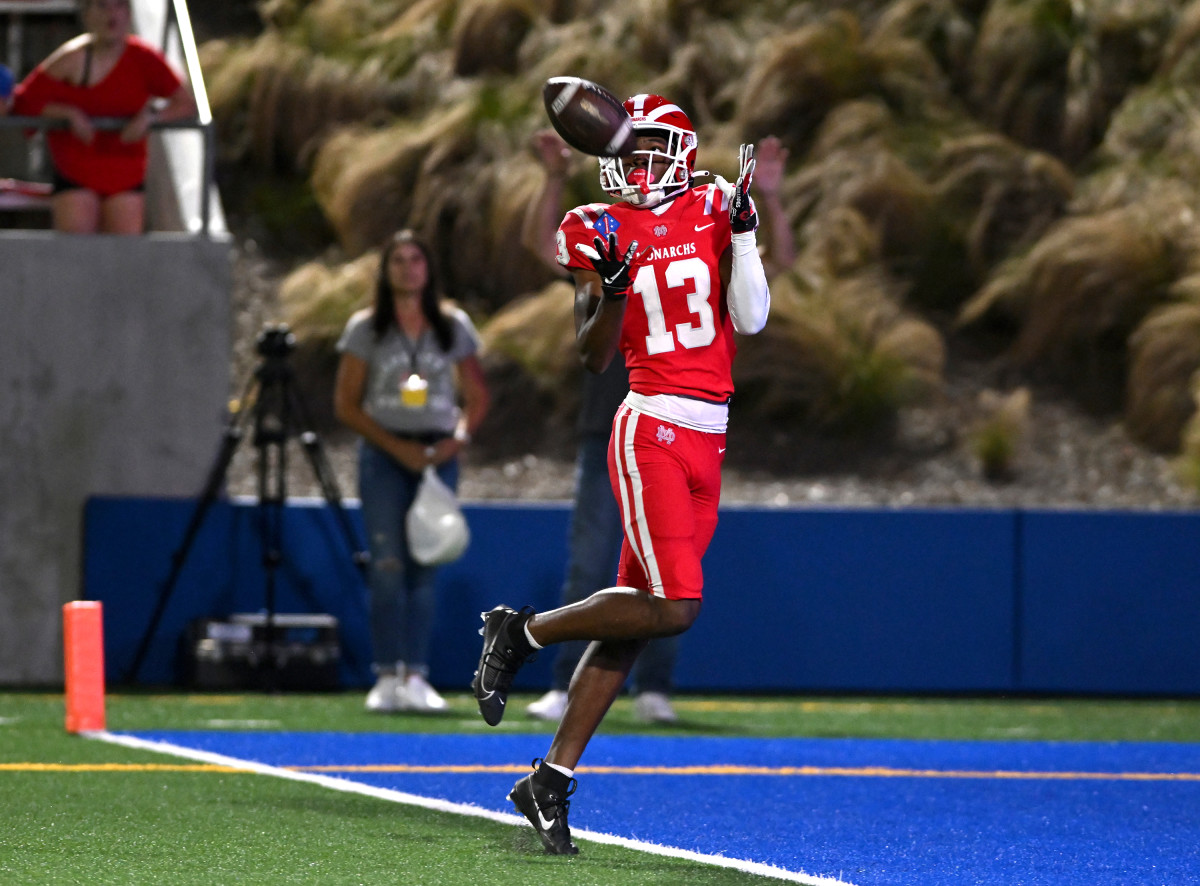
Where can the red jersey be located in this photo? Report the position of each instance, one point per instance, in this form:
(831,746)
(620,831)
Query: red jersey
(677,335)
(106,166)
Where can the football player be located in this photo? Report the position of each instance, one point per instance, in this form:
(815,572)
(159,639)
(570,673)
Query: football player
(666,274)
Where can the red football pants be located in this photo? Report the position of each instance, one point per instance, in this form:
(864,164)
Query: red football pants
(667,480)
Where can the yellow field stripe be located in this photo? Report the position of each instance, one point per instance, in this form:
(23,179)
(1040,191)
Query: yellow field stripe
(784,771)
(718,769)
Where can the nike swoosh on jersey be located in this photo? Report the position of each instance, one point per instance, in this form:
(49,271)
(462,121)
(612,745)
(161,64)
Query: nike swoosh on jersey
(704,227)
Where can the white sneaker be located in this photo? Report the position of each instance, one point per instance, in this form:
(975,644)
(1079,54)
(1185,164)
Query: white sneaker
(421,696)
(387,695)
(654,707)
(549,707)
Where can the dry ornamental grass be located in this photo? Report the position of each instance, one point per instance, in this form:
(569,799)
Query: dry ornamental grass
(992,184)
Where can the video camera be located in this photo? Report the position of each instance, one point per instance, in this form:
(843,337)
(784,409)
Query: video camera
(276,342)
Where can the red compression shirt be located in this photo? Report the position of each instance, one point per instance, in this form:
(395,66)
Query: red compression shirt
(106,166)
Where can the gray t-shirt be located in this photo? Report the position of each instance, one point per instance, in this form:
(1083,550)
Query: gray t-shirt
(391,360)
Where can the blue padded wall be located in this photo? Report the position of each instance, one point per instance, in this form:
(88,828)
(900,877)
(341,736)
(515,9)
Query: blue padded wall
(129,545)
(516,555)
(1110,602)
(879,600)
(855,600)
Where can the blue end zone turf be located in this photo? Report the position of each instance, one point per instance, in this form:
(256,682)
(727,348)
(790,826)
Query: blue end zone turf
(868,812)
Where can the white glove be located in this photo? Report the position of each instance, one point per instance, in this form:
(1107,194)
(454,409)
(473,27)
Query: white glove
(742,215)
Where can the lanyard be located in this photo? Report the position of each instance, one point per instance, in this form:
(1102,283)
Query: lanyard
(414,390)
(410,349)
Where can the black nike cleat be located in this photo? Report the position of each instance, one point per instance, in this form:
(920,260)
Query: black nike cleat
(546,810)
(505,649)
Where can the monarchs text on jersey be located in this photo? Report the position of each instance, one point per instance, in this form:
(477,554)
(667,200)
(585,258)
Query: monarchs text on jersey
(677,335)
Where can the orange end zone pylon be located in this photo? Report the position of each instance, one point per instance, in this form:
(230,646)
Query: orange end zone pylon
(83,646)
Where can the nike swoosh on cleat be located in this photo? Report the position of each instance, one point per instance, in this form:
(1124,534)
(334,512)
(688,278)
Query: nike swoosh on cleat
(545,825)
(704,227)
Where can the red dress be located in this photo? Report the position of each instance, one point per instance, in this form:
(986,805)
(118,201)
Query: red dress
(106,166)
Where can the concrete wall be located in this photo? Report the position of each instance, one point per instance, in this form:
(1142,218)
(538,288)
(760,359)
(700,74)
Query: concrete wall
(114,362)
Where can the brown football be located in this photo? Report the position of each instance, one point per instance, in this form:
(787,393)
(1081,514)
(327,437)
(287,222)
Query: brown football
(588,117)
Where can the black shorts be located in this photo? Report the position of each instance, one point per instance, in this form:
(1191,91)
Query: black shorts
(60,183)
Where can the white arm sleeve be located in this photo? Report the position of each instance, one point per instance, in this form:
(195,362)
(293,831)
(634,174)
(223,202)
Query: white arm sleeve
(749,296)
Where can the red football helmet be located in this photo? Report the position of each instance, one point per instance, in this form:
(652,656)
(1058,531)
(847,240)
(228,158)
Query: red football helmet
(653,115)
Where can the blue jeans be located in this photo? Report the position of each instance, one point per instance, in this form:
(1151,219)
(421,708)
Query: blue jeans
(595,547)
(401,590)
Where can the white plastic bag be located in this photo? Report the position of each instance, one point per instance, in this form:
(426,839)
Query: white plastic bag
(437,529)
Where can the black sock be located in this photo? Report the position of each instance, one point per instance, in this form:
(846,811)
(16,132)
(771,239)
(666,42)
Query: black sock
(550,777)
(515,637)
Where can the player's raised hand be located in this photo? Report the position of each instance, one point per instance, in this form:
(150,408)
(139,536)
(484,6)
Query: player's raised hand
(742,215)
(612,267)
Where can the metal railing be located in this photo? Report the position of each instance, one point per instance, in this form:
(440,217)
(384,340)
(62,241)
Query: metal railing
(177,19)
(17,10)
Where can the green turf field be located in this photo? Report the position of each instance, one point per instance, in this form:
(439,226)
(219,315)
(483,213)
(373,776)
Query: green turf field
(80,811)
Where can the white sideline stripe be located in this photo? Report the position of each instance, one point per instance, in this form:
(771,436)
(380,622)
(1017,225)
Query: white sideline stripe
(352,787)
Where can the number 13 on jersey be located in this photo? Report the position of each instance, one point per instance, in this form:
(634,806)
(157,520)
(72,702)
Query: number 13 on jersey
(698,328)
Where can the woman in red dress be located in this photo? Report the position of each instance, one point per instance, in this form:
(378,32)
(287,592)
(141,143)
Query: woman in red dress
(99,175)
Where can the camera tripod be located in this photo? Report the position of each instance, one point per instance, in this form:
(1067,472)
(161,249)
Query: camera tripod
(278,414)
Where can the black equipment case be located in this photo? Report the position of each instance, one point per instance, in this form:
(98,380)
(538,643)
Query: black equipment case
(303,652)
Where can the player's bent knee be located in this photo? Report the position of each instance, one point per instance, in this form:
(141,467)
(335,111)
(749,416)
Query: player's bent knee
(678,615)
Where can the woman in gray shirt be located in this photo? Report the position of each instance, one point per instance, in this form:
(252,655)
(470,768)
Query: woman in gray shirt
(406,364)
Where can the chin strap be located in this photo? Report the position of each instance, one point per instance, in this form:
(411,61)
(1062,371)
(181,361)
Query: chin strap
(649,199)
